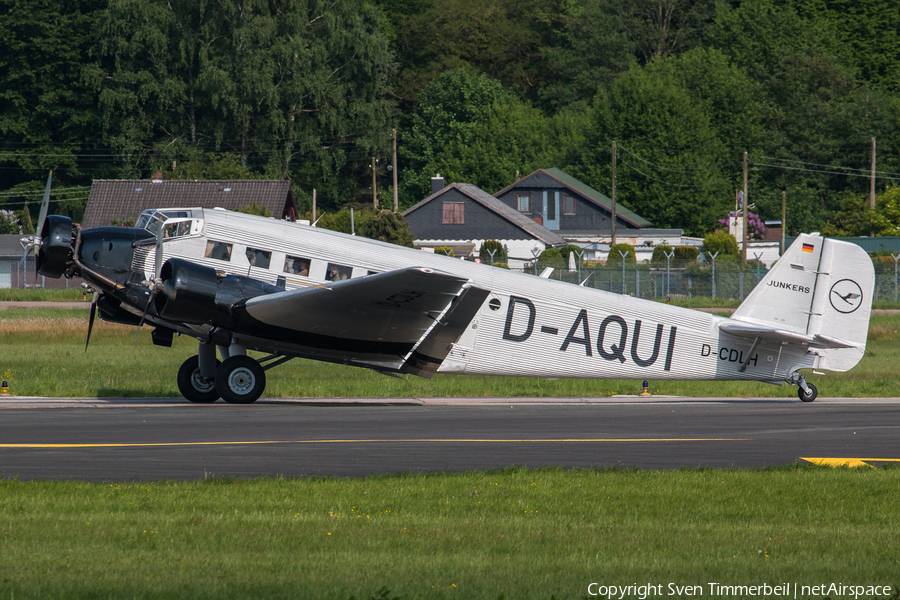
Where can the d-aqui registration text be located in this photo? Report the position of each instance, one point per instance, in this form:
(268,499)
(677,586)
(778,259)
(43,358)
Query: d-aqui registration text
(717,590)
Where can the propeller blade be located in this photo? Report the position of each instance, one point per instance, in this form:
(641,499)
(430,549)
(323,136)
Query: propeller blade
(91,319)
(159,252)
(137,329)
(45,206)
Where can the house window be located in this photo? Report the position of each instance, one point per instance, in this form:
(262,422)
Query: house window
(454,213)
(568,205)
(523,203)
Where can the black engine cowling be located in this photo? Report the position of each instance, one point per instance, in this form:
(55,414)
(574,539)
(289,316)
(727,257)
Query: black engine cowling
(198,295)
(55,252)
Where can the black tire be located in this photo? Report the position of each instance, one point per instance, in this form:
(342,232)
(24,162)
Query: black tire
(240,380)
(192,386)
(812,395)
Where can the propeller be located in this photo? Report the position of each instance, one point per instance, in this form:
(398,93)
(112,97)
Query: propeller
(94,300)
(154,282)
(33,242)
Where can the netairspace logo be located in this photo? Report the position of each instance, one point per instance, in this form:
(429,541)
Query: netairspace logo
(721,590)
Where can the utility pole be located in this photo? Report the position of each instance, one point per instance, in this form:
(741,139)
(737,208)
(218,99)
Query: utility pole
(396,203)
(613,237)
(783,218)
(374,191)
(314,207)
(872,179)
(746,204)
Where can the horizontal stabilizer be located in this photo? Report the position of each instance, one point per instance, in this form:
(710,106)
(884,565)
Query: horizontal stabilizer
(747,330)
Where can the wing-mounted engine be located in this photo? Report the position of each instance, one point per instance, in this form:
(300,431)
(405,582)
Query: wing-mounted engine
(201,295)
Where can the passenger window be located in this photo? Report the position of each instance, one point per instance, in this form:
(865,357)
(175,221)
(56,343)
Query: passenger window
(296,266)
(218,250)
(259,258)
(337,272)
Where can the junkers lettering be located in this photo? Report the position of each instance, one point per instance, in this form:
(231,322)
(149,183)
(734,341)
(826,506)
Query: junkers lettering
(613,348)
(789,286)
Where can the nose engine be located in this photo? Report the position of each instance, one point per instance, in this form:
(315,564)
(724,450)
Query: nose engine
(54,255)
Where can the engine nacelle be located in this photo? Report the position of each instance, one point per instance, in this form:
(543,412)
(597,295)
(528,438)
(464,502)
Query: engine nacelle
(189,295)
(55,252)
(199,295)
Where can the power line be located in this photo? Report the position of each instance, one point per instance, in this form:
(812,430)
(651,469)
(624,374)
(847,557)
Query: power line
(866,172)
(681,185)
(866,176)
(666,168)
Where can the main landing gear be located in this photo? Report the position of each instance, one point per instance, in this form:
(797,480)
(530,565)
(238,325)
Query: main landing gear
(239,379)
(807,392)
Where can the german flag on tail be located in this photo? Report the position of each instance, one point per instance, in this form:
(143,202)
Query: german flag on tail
(808,247)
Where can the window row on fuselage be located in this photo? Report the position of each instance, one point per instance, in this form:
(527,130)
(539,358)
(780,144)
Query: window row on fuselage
(299,266)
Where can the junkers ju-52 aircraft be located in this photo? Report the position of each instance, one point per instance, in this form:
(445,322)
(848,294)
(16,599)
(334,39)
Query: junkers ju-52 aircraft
(238,282)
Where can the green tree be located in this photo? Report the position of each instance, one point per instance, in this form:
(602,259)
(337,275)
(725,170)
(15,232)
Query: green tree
(25,220)
(387,226)
(299,88)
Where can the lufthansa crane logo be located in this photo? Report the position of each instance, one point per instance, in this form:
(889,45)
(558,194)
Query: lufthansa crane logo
(845,296)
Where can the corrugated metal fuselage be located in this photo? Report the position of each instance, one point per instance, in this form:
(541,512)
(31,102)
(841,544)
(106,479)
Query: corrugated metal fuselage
(528,326)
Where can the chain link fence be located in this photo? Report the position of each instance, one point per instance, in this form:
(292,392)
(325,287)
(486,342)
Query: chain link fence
(723,279)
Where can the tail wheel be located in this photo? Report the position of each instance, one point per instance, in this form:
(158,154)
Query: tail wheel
(240,380)
(193,386)
(809,396)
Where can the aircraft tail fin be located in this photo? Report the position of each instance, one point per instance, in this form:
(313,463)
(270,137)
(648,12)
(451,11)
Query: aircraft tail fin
(819,292)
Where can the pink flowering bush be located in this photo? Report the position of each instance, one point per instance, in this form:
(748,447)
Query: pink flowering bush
(756,229)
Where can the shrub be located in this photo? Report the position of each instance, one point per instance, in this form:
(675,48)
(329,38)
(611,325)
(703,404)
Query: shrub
(615,258)
(659,253)
(721,242)
(492,245)
(686,252)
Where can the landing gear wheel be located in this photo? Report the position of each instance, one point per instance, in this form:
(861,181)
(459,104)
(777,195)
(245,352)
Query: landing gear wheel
(240,380)
(808,397)
(193,386)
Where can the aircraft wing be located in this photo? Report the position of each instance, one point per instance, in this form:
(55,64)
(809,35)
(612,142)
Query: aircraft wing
(375,321)
(750,330)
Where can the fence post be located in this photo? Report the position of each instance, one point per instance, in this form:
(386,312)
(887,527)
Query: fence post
(668,272)
(623,270)
(637,282)
(895,274)
(492,253)
(579,255)
(713,257)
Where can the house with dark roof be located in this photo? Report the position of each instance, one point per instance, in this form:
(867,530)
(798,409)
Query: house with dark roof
(462,216)
(581,215)
(114,200)
(561,202)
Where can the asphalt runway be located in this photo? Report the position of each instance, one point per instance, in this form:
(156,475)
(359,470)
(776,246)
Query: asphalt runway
(166,438)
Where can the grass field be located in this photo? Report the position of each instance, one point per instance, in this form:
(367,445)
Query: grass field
(513,534)
(42,354)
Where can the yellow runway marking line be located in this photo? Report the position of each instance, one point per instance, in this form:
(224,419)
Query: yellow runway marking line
(847,462)
(372,441)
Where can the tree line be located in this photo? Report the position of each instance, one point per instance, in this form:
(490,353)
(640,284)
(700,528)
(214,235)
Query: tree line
(477,90)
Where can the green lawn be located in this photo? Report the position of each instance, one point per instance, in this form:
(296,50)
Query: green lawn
(516,533)
(42,354)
